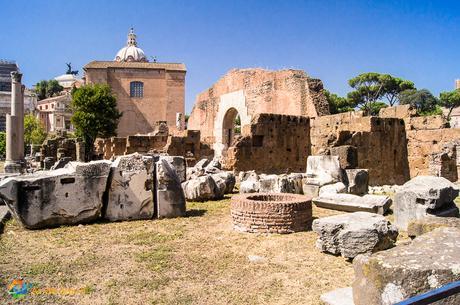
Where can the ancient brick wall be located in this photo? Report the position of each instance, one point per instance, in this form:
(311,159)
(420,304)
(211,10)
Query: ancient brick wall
(432,147)
(380,143)
(60,147)
(273,143)
(186,143)
(271,213)
(189,145)
(289,92)
(400,112)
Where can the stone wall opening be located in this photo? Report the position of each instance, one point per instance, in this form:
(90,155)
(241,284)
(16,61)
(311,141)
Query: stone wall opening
(231,127)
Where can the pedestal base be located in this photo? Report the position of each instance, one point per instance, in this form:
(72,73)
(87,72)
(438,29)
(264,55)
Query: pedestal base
(14,167)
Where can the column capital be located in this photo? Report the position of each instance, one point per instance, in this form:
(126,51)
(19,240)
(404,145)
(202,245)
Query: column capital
(16,76)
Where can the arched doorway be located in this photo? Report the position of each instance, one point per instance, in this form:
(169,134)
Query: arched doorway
(226,125)
(231,127)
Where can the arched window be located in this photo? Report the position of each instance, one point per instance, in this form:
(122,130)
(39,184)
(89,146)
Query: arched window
(136,89)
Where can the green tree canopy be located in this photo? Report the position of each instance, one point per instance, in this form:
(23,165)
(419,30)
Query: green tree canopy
(393,87)
(370,88)
(95,113)
(338,104)
(34,132)
(375,108)
(450,100)
(422,100)
(2,143)
(47,88)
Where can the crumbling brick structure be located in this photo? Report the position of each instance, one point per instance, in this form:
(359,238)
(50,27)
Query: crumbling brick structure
(248,92)
(59,147)
(380,143)
(272,143)
(186,144)
(432,147)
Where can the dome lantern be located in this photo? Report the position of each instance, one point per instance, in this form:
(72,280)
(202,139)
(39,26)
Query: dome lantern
(131,52)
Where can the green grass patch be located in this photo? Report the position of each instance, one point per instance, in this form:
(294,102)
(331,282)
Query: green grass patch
(156,259)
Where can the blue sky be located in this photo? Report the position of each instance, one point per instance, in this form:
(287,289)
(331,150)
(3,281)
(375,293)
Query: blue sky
(330,40)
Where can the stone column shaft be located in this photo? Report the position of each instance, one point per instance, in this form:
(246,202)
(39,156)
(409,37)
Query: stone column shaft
(15,127)
(11,138)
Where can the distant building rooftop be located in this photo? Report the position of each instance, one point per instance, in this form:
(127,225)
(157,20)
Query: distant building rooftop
(135,65)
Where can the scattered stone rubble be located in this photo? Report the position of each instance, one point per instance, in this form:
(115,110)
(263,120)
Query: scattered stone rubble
(206,181)
(330,185)
(354,233)
(132,187)
(424,196)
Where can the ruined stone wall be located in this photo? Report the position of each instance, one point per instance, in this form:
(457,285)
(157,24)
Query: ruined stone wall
(273,143)
(380,143)
(186,144)
(189,145)
(60,147)
(253,91)
(399,111)
(432,147)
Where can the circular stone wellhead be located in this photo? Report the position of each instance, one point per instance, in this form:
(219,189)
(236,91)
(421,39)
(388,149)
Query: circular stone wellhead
(271,213)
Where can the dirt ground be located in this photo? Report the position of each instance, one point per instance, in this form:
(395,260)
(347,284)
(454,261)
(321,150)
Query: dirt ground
(198,259)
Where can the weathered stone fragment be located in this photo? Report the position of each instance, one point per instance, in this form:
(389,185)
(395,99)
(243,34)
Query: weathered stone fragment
(428,262)
(202,164)
(48,162)
(61,163)
(201,189)
(213,167)
(4,216)
(179,165)
(228,178)
(323,170)
(335,188)
(130,188)
(169,196)
(66,196)
(274,184)
(250,184)
(310,190)
(358,181)
(340,296)
(422,196)
(295,183)
(352,203)
(354,233)
(348,155)
(429,223)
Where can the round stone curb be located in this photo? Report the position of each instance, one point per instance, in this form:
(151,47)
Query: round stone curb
(271,213)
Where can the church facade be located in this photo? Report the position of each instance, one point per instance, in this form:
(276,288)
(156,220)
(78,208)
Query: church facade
(148,93)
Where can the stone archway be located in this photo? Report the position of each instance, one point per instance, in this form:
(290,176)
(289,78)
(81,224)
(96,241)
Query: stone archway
(228,126)
(231,105)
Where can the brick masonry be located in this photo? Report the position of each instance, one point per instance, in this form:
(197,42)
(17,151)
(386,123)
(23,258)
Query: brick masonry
(273,143)
(271,213)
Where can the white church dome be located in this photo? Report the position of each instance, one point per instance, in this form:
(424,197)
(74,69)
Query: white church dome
(131,52)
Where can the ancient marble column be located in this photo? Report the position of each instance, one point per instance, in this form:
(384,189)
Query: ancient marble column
(15,127)
(179,120)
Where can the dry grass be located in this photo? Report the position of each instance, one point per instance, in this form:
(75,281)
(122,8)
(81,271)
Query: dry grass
(193,260)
